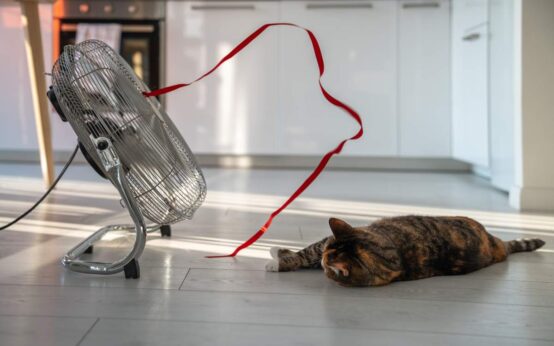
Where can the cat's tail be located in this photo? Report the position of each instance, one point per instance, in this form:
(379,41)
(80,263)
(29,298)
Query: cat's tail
(522,245)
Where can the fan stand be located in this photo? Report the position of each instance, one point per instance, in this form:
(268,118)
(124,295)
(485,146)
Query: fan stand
(129,264)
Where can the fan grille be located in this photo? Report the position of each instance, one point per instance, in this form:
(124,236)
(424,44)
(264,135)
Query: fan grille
(102,97)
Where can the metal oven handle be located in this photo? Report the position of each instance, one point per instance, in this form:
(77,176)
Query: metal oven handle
(130,28)
(222,7)
(338,6)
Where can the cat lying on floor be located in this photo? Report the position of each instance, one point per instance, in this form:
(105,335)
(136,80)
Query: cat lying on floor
(401,248)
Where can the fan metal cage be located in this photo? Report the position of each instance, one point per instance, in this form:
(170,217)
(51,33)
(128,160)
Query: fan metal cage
(101,97)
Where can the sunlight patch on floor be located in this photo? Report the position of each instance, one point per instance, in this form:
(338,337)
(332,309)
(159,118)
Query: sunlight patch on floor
(213,248)
(247,203)
(361,210)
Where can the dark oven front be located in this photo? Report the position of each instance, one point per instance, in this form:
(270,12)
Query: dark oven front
(140,45)
(142,31)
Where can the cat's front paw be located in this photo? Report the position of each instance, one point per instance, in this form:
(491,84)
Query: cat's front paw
(279,252)
(274,252)
(272,265)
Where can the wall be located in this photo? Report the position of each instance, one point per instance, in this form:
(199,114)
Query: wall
(534,105)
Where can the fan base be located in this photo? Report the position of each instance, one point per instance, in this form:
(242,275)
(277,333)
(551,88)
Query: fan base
(165,230)
(132,269)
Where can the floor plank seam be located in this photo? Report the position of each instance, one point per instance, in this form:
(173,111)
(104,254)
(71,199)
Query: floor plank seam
(298,326)
(362,297)
(91,287)
(46,316)
(472,289)
(235,292)
(238,270)
(308,270)
(183,282)
(87,332)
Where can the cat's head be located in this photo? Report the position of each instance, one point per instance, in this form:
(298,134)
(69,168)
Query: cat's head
(343,257)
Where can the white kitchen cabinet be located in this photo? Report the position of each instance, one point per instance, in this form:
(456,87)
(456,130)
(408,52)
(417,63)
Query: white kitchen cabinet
(233,111)
(501,93)
(470,13)
(424,78)
(358,40)
(470,96)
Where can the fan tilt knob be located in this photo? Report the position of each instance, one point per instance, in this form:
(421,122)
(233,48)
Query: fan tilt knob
(102,144)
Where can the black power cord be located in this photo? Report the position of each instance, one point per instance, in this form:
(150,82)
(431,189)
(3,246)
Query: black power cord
(37,203)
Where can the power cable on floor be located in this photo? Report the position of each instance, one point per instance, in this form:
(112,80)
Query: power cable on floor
(37,203)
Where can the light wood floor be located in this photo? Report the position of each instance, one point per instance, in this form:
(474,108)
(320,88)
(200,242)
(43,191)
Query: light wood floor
(183,298)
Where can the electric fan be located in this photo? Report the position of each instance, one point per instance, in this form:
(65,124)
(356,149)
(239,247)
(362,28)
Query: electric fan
(127,138)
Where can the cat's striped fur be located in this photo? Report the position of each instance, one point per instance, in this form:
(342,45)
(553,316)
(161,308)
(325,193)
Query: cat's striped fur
(401,248)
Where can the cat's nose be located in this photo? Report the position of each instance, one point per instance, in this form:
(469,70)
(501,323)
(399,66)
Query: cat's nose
(341,268)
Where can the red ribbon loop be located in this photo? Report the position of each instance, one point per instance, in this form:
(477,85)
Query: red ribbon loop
(323,163)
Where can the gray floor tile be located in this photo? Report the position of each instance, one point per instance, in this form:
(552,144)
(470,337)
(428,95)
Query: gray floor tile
(44,331)
(331,311)
(132,332)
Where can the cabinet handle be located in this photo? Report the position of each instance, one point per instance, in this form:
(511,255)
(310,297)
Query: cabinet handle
(471,37)
(421,5)
(127,28)
(337,6)
(222,7)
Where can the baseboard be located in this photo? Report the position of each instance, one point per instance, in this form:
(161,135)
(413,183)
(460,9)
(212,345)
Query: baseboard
(483,172)
(532,198)
(281,161)
(32,156)
(337,162)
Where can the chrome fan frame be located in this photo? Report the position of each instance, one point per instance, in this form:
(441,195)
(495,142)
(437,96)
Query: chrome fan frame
(127,138)
(129,263)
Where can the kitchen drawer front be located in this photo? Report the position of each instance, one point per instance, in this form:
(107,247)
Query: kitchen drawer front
(234,110)
(425,122)
(358,40)
(470,97)
(470,13)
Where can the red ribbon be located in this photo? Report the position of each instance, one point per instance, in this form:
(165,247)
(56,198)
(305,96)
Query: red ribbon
(322,164)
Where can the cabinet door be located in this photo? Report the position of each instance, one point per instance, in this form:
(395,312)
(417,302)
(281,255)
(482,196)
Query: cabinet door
(470,97)
(424,78)
(233,111)
(358,41)
(470,13)
(501,79)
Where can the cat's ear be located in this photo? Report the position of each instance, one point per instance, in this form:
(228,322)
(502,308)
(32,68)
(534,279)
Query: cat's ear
(340,228)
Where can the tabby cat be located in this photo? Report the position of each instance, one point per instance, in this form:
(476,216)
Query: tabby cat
(401,248)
